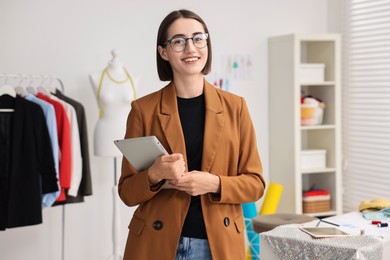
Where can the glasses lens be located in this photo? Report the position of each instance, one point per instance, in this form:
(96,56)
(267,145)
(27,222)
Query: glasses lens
(200,40)
(178,43)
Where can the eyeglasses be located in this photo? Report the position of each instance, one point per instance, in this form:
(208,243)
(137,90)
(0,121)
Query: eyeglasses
(178,43)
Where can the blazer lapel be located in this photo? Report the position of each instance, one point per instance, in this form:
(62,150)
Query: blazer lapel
(215,121)
(170,121)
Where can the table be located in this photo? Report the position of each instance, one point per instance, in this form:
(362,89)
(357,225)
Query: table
(288,242)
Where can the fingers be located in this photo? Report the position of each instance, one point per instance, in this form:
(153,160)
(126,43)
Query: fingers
(168,167)
(172,157)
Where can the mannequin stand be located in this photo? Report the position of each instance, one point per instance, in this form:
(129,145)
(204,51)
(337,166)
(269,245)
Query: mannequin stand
(115,235)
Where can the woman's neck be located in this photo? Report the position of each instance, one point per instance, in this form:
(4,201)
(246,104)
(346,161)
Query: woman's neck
(189,87)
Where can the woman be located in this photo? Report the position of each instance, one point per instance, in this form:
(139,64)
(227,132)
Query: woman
(190,201)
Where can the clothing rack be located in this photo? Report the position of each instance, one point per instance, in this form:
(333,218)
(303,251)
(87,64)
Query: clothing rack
(116,255)
(44,85)
(45,81)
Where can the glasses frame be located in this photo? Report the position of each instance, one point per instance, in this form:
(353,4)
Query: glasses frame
(186,39)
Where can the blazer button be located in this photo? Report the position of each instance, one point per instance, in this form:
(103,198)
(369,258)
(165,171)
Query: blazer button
(226,221)
(157,225)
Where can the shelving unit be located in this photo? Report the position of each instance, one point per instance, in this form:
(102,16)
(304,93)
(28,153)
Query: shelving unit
(287,137)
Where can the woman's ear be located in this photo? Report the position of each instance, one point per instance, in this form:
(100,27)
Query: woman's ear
(163,53)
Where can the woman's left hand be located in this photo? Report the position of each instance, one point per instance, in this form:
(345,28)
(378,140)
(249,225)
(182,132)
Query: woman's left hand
(197,183)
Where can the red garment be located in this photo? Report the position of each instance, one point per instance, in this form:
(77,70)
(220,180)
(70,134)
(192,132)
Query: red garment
(64,142)
(315,193)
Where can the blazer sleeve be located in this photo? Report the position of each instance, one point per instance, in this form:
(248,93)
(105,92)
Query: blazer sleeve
(248,185)
(134,187)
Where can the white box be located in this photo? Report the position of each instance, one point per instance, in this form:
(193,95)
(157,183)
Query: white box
(312,72)
(311,159)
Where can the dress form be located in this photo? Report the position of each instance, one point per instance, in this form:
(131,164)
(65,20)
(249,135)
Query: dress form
(114,90)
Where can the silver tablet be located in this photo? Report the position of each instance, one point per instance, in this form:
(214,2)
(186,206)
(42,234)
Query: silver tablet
(141,152)
(323,232)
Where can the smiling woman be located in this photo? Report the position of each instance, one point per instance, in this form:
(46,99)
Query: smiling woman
(190,200)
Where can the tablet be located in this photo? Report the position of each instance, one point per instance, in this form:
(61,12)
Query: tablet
(323,232)
(141,152)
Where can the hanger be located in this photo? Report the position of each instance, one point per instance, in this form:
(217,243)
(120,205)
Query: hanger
(30,88)
(19,89)
(42,88)
(62,85)
(50,86)
(7,90)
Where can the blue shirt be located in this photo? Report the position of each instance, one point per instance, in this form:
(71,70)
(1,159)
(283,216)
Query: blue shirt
(48,110)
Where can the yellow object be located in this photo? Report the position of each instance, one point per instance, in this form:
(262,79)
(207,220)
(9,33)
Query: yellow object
(248,255)
(269,206)
(374,205)
(307,112)
(271,200)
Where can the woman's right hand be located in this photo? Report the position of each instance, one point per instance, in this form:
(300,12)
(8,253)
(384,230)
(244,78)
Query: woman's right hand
(168,167)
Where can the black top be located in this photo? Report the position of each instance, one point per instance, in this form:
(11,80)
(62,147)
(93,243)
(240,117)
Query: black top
(192,117)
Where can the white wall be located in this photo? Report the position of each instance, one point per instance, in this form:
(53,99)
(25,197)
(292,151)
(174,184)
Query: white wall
(71,39)
(335,16)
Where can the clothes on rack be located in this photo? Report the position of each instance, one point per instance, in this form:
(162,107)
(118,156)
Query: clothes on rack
(85,188)
(76,166)
(77,184)
(51,122)
(61,122)
(64,141)
(26,163)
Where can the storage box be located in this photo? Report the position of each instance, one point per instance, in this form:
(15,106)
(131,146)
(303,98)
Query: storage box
(312,72)
(316,206)
(315,201)
(312,114)
(311,159)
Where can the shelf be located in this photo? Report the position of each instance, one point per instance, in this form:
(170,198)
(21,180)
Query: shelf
(287,137)
(319,170)
(317,127)
(325,83)
(322,214)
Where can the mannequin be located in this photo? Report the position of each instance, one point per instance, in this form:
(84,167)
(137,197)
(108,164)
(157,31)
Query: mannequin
(114,90)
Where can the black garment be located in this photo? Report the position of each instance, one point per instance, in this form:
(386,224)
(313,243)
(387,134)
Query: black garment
(29,166)
(5,159)
(192,118)
(85,188)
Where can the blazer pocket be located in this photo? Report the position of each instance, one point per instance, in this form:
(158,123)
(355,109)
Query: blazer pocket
(136,225)
(239,223)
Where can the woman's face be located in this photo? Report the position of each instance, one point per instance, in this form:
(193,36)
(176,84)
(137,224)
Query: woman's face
(192,59)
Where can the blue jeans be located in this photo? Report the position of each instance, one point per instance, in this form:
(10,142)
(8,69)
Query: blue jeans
(193,249)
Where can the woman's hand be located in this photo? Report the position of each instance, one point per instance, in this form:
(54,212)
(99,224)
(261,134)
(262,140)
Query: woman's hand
(168,167)
(197,183)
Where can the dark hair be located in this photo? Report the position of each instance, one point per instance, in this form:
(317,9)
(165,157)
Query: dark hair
(164,69)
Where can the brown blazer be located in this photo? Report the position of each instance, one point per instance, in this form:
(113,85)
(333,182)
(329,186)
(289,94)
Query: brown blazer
(229,151)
